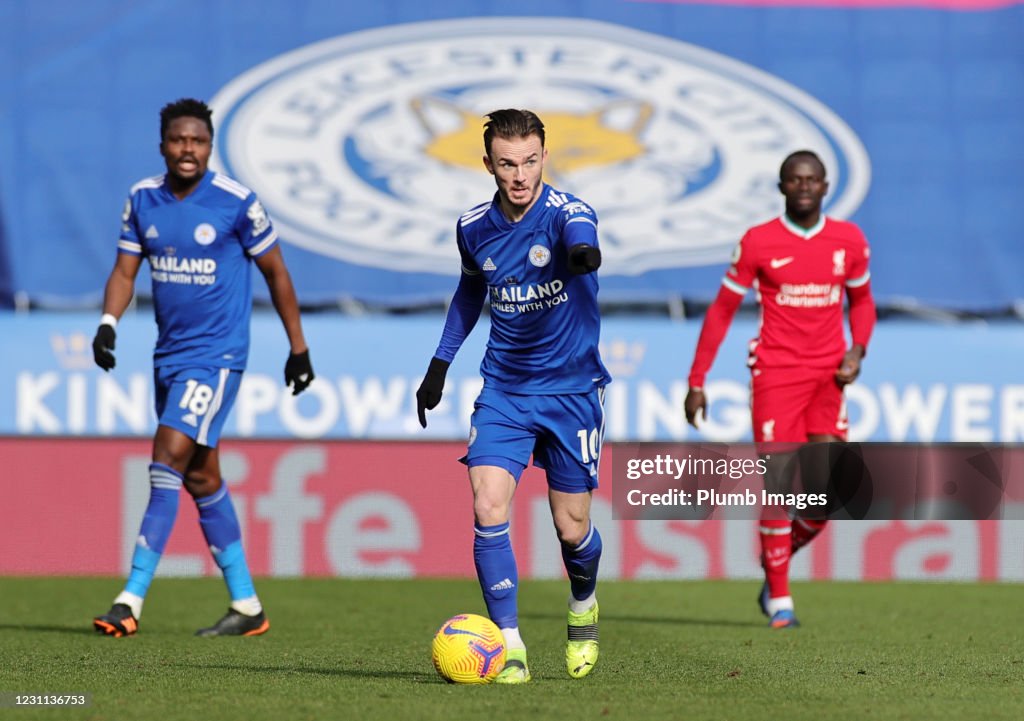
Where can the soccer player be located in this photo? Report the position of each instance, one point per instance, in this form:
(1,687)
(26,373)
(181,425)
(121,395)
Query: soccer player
(800,263)
(531,252)
(201,232)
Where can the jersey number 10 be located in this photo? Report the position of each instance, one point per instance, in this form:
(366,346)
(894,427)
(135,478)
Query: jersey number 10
(590,444)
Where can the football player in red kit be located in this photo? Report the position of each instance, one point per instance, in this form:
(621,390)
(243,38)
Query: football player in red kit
(801,265)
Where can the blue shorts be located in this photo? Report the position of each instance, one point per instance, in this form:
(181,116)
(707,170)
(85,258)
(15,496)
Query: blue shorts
(564,434)
(196,401)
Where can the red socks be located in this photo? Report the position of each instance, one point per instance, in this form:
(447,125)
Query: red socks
(804,532)
(775,555)
(780,539)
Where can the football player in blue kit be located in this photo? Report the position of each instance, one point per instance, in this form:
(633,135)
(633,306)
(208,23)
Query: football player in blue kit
(531,253)
(201,232)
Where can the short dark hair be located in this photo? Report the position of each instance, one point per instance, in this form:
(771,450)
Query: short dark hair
(185,108)
(510,123)
(802,155)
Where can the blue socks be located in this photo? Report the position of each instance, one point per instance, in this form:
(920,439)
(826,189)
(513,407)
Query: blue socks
(581,564)
(499,578)
(165,488)
(220,528)
(224,536)
(496,569)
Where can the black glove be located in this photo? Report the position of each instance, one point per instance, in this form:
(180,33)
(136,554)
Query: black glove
(298,370)
(103,347)
(429,393)
(584,259)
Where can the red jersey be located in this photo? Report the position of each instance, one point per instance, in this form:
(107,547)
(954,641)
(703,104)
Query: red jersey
(800,276)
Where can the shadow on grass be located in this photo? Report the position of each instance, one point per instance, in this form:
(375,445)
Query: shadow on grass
(83,629)
(414,676)
(660,620)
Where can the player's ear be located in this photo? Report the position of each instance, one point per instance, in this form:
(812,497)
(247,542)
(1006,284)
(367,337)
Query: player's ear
(488,164)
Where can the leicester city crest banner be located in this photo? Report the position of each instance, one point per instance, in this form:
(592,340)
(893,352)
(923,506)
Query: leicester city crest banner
(360,128)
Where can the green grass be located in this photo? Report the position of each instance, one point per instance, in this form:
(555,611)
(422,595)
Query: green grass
(342,649)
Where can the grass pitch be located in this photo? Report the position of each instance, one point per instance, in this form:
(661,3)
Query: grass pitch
(341,649)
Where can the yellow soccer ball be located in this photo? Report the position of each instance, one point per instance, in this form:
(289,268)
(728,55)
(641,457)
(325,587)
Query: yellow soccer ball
(468,649)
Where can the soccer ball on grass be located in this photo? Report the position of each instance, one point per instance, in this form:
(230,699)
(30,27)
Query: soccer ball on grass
(468,649)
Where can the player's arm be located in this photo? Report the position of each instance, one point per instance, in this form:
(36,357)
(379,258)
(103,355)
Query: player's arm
(116,296)
(863,315)
(737,281)
(579,233)
(712,333)
(298,371)
(463,313)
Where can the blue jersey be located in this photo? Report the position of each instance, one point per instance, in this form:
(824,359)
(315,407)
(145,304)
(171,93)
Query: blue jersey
(199,251)
(545,323)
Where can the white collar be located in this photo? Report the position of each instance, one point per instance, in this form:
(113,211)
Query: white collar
(805,233)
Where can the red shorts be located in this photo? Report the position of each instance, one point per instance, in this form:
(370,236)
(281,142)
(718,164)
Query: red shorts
(789,404)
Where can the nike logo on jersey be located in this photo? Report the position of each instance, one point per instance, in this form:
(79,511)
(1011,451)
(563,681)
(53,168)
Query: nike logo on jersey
(776,263)
(489,265)
(151,232)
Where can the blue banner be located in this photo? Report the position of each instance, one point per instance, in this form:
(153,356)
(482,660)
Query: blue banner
(6,287)
(359,127)
(921,382)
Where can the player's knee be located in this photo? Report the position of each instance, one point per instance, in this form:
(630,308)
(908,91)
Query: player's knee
(571,529)
(490,511)
(177,461)
(200,484)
